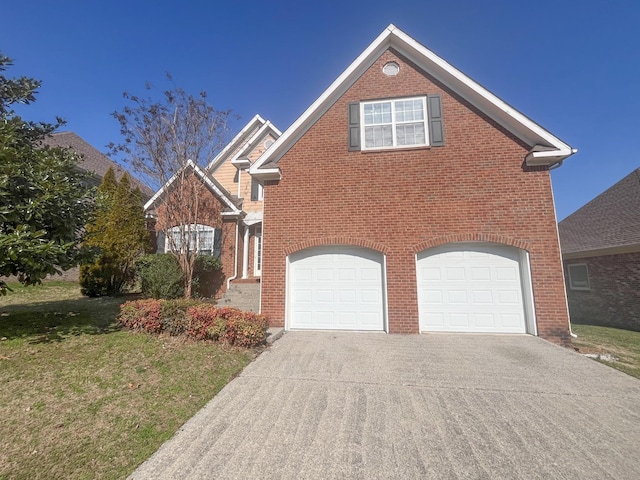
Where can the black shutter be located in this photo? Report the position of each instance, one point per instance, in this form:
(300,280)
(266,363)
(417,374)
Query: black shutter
(436,128)
(354,126)
(160,242)
(254,189)
(217,242)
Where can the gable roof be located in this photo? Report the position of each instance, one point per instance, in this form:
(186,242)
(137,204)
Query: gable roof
(610,223)
(241,157)
(238,141)
(546,149)
(211,183)
(92,160)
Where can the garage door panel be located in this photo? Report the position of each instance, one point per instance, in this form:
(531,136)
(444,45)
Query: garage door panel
(470,288)
(346,285)
(323,296)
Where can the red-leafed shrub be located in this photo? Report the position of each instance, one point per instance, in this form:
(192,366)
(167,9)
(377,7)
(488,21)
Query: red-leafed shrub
(142,315)
(228,325)
(200,321)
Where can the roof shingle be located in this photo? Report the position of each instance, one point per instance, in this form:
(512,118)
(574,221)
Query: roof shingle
(610,220)
(92,160)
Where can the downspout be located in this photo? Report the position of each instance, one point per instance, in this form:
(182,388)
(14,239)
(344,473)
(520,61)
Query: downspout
(235,260)
(245,254)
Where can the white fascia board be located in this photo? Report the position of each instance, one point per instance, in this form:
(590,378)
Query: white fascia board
(164,188)
(266,174)
(317,108)
(475,93)
(548,157)
(494,107)
(268,126)
(219,159)
(216,188)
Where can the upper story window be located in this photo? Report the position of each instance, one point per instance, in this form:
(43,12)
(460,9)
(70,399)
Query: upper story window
(200,239)
(578,277)
(396,123)
(257,191)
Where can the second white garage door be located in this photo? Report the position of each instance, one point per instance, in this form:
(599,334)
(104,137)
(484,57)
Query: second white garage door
(470,288)
(336,288)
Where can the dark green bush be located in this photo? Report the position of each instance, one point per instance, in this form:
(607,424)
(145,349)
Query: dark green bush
(100,278)
(160,276)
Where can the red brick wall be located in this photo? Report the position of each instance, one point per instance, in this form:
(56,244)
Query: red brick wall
(614,296)
(210,213)
(399,200)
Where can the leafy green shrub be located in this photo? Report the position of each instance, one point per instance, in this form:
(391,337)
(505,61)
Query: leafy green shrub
(207,263)
(160,276)
(197,320)
(142,315)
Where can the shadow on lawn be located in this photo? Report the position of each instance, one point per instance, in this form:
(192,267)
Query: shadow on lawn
(53,321)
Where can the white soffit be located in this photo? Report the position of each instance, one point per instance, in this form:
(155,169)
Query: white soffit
(510,118)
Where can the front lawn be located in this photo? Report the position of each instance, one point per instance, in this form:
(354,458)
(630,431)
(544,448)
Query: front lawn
(622,345)
(79,398)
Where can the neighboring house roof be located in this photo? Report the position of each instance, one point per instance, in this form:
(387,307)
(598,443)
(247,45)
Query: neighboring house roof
(211,183)
(546,149)
(92,160)
(608,224)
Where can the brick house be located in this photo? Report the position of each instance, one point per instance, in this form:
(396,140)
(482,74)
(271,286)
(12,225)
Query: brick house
(230,211)
(407,198)
(601,255)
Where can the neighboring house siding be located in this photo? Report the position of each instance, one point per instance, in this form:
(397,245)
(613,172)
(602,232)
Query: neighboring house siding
(401,201)
(210,210)
(613,298)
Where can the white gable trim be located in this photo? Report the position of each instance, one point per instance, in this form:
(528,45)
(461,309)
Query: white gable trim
(507,116)
(268,127)
(211,183)
(233,144)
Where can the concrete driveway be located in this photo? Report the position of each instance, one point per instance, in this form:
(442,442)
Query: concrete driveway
(323,405)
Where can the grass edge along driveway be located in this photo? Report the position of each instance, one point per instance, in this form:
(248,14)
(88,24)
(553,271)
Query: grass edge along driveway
(80,398)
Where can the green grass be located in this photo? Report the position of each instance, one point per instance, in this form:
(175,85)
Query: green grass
(80,398)
(623,345)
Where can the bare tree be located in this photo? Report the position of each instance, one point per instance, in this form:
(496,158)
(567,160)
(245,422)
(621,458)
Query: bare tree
(167,141)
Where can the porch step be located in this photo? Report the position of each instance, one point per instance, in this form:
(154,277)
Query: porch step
(244,296)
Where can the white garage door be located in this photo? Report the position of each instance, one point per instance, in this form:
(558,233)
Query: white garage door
(470,288)
(336,288)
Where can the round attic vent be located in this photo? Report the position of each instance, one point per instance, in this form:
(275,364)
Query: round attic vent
(268,143)
(391,69)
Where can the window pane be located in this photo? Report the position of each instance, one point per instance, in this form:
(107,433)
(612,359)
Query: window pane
(377,113)
(410,134)
(409,110)
(381,136)
(205,245)
(579,276)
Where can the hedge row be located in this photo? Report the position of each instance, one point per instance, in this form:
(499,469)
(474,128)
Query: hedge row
(201,321)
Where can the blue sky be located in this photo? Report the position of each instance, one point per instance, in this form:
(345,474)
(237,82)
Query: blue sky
(572,66)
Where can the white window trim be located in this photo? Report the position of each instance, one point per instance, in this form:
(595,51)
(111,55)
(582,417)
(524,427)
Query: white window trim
(193,228)
(578,287)
(257,251)
(425,121)
(260,193)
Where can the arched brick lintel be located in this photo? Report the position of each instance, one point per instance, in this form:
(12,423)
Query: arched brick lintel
(470,237)
(346,241)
